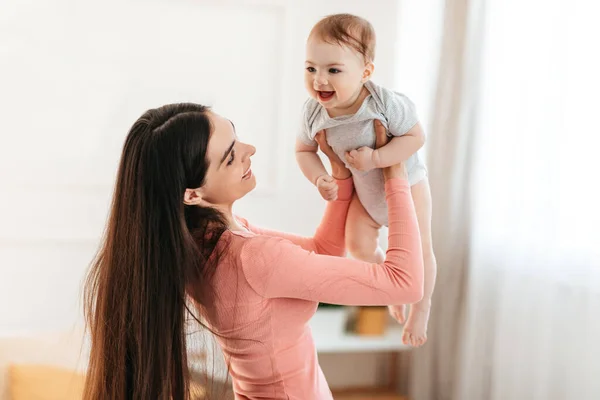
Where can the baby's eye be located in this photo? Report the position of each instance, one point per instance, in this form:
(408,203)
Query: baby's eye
(334,71)
(311,69)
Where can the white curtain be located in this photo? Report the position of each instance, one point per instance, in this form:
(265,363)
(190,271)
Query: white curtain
(532,325)
(451,135)
(514,161)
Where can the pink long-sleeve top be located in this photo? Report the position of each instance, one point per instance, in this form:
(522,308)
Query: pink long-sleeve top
(268,286)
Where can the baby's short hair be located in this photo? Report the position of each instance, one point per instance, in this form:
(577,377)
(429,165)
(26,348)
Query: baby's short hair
(347,30)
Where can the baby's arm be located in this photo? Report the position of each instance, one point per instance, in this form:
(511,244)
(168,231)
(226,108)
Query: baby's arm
(400,148)
(312,167)
(309,161)
(403,124)
(397,150)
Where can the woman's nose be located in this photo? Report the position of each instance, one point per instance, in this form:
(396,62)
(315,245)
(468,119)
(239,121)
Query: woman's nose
(250,150)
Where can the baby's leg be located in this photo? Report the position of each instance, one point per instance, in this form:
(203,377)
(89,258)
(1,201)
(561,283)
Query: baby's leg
(415,330)
(362,234)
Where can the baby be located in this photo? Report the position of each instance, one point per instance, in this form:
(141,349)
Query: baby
(343,100)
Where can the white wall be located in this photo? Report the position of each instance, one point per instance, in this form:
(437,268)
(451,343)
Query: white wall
(75,75)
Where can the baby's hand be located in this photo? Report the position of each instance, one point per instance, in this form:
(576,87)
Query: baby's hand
(361,159)
(327,187)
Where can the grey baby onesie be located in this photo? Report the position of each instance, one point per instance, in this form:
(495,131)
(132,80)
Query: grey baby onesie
(348,132)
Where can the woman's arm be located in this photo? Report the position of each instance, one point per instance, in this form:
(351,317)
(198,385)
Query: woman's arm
(276,268)
(329,237)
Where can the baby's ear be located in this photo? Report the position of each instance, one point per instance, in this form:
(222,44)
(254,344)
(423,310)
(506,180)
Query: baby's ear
(368,72)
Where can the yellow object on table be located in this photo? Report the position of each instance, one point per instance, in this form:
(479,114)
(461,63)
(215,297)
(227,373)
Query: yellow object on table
(371,321)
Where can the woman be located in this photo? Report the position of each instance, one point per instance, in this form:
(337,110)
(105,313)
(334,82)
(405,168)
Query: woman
(171,236)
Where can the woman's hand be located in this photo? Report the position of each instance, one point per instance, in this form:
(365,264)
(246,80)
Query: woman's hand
(338,168)
(381,139)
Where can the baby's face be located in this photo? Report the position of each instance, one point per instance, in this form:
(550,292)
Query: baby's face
(334,74)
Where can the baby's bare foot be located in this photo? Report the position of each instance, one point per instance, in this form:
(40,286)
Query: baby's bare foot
(415,330)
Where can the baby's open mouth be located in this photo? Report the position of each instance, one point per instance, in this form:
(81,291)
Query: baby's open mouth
(325,95)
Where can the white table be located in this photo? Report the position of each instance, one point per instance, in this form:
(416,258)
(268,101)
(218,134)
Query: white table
(350,343)
(328,340)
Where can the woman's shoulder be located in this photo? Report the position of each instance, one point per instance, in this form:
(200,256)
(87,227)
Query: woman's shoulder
(251,247)
(254,244)
(237,240)
(254,255)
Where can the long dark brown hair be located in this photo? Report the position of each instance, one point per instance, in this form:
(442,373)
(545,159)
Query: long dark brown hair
(153,248)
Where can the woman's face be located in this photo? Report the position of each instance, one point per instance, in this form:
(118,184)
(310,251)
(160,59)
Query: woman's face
(229,176)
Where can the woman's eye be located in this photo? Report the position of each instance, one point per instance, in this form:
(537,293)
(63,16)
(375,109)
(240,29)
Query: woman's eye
(231,157)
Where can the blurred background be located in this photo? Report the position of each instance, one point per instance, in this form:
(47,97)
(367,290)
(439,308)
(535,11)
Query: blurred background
(507,90)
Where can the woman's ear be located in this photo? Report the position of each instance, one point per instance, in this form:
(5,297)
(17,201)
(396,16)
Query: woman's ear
(368,72)
(192,197)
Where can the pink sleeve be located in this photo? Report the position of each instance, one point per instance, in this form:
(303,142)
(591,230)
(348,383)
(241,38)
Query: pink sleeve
(276,268)
(329,237)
